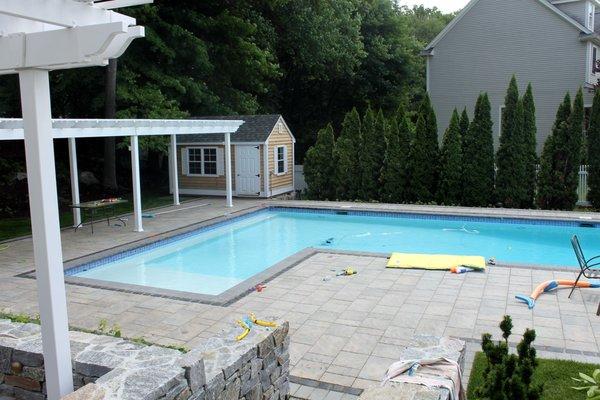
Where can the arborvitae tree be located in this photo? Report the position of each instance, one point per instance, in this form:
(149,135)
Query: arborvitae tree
(393,177)
(319,166)
(509,376)
(478,157)
(423,156)
(512,158)
(574,144)
(372,153)
(551,177)
(346,152)
(450,182)
(593,143)
(464,126)
(529,135)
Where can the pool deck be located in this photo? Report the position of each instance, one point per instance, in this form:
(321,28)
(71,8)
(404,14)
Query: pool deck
(345,330)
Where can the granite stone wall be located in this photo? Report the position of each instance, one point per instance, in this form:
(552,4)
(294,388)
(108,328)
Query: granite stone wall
(105,367)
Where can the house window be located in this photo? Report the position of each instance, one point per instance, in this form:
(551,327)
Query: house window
(280,160)
(595,68)
(202,161)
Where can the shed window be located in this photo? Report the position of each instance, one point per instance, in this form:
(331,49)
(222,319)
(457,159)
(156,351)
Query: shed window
(202,161)
(280,159)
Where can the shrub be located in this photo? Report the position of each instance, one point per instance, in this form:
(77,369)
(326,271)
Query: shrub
(478,157)
(450,182)
(319,166)
(509,376)
(371,154)
(346,152)
(561,157)
(423,156)
(529,135)
(393,177)
(512,157)
(593,143)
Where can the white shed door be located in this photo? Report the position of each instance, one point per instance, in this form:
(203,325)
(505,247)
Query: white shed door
(247,167)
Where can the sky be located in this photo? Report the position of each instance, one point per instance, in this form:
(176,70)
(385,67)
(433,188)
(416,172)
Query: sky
(444,5)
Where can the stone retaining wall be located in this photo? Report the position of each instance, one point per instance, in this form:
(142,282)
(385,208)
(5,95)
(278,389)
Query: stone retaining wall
(105,367)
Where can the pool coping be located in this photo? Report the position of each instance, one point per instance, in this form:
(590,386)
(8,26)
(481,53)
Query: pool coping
(243,288)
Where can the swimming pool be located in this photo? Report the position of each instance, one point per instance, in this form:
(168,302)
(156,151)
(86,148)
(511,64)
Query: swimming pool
(216,258)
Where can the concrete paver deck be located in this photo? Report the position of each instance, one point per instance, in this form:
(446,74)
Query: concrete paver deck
(346,330)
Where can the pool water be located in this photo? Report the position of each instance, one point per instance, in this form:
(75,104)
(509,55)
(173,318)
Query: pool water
(210,262)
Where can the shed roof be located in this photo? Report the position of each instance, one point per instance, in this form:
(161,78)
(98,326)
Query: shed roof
(255,129)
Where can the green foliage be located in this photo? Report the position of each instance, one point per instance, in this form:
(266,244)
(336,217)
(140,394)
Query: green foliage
(512,157)
(346,154)
(593,143)
(561,157)
(478,157)
(393,178)
(589,384)
(423,156)
(554,375)
(20,318)
(105,329)
(509,376)
(371,154)
(319,166)
(529,136)
(464,126)
(450,184)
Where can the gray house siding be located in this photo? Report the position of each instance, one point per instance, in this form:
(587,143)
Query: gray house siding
(575,10)
(496,39)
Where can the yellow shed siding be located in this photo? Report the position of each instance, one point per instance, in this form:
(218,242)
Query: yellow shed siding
(203,182)
(281,136)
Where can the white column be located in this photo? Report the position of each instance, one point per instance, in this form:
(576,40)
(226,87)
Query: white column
(173,169)
(228,170)
(43,204)
(135,179)
(74,181)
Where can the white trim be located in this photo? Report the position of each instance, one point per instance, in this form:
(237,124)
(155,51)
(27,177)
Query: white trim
(12,128)
(202,161)
(228,183)
(468,7)
(276,160)
(173,178)
(136,189)
(74,181)
(288,129)
(278,191)
(266,171)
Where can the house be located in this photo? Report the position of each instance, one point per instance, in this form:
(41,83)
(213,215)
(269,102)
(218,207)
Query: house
(262,157)
(551,43)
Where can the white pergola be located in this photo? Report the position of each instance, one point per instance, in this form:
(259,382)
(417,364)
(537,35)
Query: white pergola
(37,36)
(72,129)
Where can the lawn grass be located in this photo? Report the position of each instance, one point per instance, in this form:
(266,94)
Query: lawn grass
(555,375)
(16,227)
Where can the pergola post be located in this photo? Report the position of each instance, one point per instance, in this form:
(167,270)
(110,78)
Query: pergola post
(45,227)
(135,179)
(228,170)
(74,181)
(173,169)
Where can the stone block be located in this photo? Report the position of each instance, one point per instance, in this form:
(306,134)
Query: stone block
(23,394)
(281,332)
(95,363)
(23,383)
(266,346)
(193,365)
(36,373)
(90,391)
(232,390)
(247,386)
(29,352)
(199,395)
(5,357)
(215,386)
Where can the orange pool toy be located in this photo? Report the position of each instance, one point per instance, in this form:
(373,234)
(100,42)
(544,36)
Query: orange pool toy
(551,285)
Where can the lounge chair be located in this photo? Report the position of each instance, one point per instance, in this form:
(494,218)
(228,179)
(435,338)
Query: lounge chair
(587,269)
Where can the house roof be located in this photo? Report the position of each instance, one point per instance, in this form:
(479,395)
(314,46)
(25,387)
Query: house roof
(429,48)
(255,129)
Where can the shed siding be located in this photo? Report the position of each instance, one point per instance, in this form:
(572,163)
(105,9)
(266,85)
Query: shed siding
(203,182)
(497,39)
(281,136)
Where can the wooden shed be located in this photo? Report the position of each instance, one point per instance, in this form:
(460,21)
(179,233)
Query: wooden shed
(262,156)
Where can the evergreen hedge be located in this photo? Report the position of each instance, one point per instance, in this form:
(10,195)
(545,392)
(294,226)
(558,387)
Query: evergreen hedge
(319,166)
(451,177)
(530,137)
(423,156)
(394,179)
(593,143)
(346,154)
(478,157)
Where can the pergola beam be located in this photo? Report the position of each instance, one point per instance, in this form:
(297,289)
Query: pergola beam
(12,128)
(61,13)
